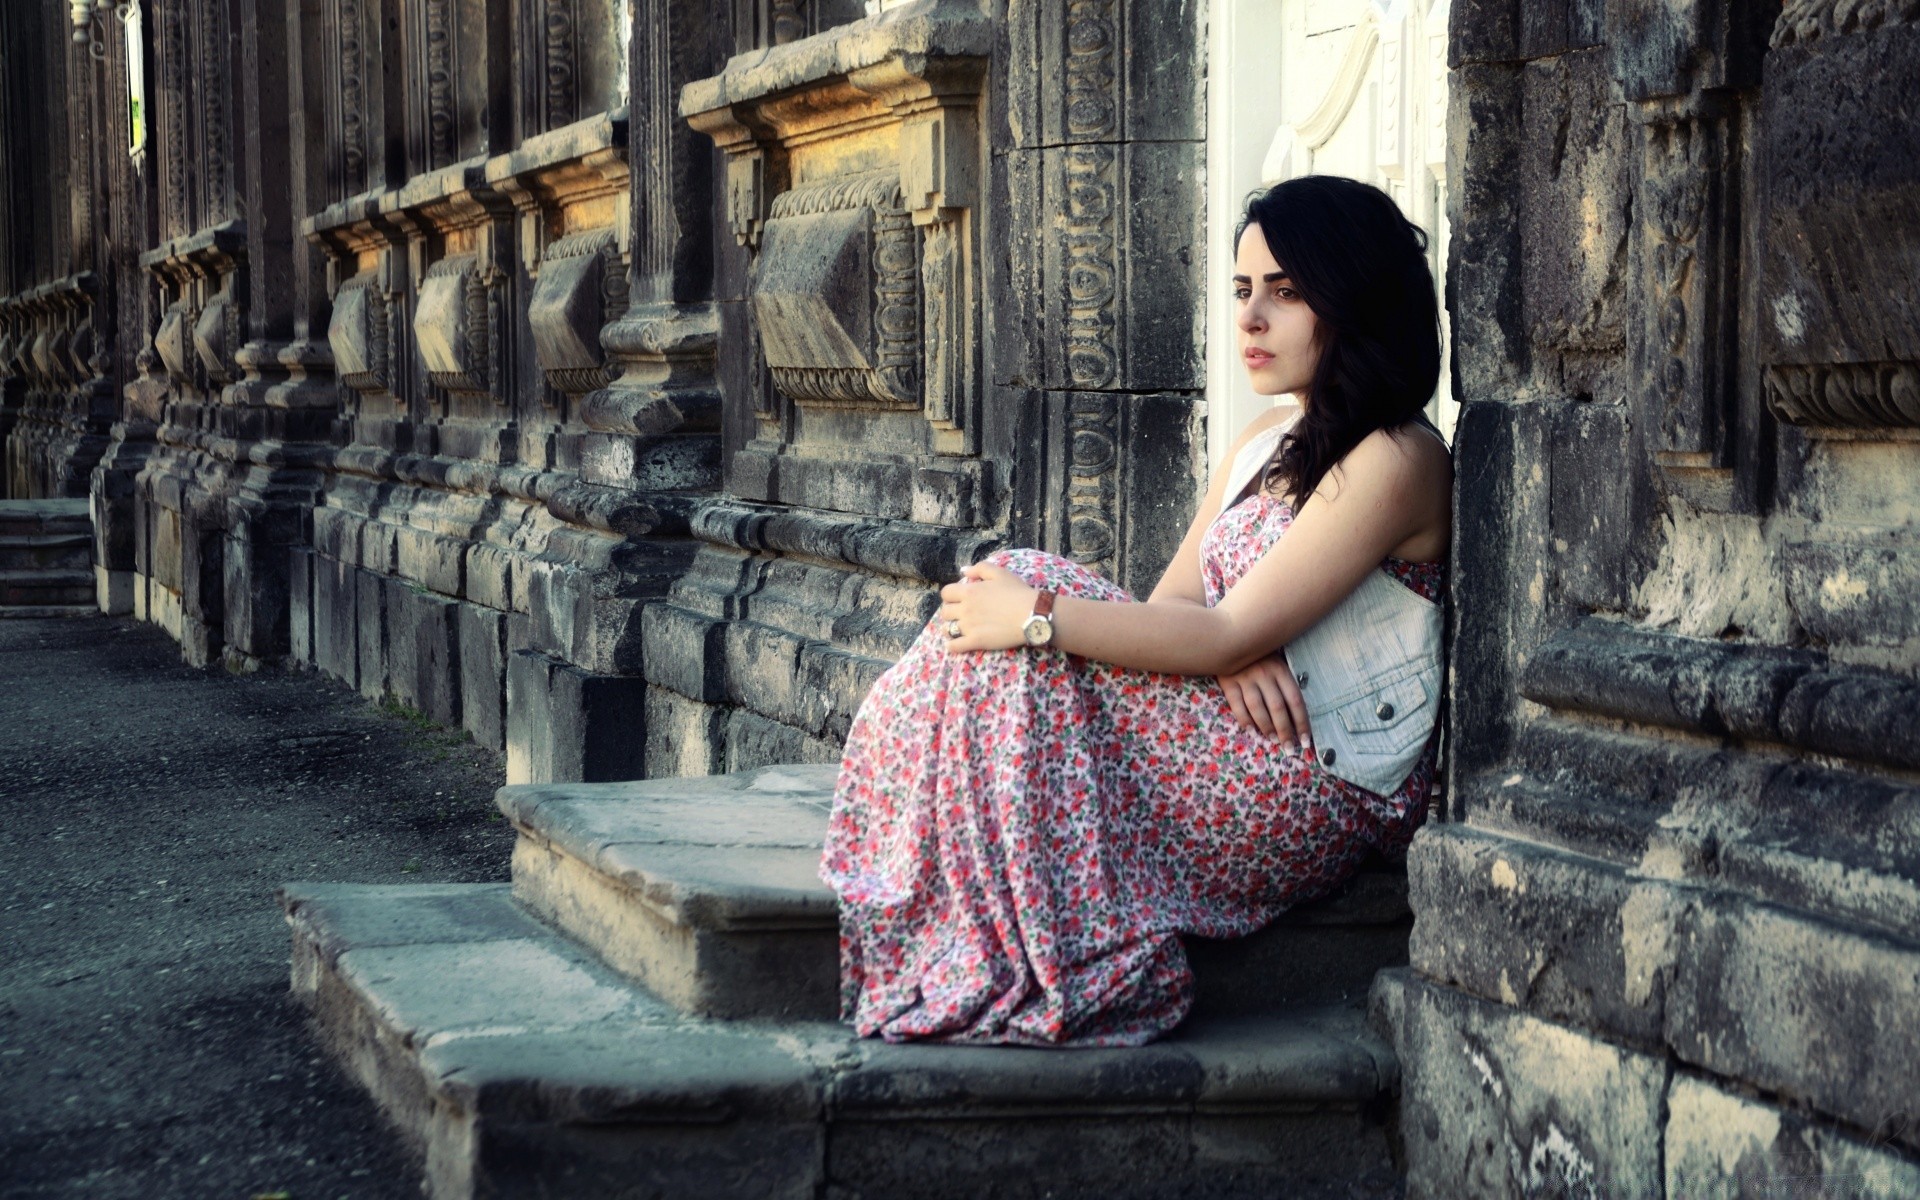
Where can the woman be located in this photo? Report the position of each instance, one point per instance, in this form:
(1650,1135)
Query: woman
(1057,781)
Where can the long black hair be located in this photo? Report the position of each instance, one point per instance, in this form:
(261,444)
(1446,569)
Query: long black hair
(1361,266)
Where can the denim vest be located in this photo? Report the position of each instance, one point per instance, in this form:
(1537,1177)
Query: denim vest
(1369,670)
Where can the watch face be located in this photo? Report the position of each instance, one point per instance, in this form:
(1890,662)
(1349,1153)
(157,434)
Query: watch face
(1039,631)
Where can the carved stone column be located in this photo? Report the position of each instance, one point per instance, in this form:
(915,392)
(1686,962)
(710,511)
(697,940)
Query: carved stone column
(1098,325)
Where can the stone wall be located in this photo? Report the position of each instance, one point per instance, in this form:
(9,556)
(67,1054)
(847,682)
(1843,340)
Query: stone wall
(58,291)
(1666,940)
(619,380)
(959,293)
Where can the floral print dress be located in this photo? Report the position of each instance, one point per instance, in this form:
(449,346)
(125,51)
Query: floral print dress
(1019,837)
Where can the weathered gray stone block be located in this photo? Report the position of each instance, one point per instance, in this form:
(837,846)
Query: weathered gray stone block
(1529,926)
(1810,1010)
(683,651)
(370,599)
(1720,1144)
(684,737)
(255,592)
(707,892)
(433,561)
(1500,1103)
(564,723)
(301,587)
(529,729)
(489,576)
(754,741)
(482,639)
(424,654)
(336,646)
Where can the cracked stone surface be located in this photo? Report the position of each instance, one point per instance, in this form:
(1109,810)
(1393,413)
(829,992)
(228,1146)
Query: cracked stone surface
(148,1045)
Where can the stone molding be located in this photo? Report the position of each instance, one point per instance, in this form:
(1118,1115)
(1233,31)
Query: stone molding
(1688,210)
(1836,318)
(1869,395)
(1756,693)
(1804,21)
(490,212)
(47,335)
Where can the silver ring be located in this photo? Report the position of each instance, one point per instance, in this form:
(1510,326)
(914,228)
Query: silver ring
(953,628)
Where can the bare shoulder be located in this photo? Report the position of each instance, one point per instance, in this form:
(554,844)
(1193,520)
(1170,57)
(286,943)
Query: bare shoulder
(1411,459)
(1279,414)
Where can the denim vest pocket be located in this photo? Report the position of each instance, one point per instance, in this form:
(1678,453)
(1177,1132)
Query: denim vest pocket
(1395,718)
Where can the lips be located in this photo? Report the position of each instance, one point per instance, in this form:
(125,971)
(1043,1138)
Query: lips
(1256,358)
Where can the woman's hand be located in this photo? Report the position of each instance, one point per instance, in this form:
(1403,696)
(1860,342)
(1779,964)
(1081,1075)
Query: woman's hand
(1264,696)
(991,604)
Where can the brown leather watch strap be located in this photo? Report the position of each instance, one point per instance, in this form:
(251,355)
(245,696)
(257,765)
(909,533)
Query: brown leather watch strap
(1043,604)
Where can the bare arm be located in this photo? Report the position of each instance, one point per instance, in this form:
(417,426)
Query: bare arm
(1382,494)
(1181,581)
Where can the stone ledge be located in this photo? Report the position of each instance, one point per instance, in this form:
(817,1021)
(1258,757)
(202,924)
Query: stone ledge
(929,29)
(1794,697)
(1838,843)
(515,1062)
(33,612)
(705,890)
(30,518)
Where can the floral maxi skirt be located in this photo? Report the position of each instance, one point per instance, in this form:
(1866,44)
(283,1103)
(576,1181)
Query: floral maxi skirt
(1019,838)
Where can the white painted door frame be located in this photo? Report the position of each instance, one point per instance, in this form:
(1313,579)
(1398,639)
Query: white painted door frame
(1347,87)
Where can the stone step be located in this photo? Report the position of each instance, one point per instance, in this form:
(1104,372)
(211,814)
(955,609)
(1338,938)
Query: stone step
(706,891)
(46,587)
(516,1064)
(39,612)
(46,551)
(29,518)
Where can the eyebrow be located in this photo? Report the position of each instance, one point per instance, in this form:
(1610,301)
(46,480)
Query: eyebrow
(1272,277)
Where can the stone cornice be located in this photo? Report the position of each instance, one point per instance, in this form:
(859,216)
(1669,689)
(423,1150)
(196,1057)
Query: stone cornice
(587,156)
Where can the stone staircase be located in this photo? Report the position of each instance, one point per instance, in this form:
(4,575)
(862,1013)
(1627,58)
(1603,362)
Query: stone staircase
(648,1011)
(46,558)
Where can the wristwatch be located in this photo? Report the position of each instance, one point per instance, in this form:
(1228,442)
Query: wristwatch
(1039,626)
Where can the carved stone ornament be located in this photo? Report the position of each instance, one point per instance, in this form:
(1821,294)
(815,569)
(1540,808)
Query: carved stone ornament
(81,347)
(358,334)
(217,334)
(451,325)
(580,290)
(173,341)
(46,355)
(1804,21)
(1847,395)
(836,293)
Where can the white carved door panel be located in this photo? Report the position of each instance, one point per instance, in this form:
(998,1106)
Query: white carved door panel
(1331,87)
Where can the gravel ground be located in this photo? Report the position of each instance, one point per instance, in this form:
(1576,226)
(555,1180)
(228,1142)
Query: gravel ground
(148,1045)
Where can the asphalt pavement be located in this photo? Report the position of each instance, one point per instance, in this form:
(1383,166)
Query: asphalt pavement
(148,1045)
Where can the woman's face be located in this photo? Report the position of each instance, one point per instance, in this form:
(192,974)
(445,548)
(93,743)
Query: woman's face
(1279,337)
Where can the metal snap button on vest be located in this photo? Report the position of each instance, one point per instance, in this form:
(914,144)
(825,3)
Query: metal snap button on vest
(1328,755)
(1301,679)
(1384,712)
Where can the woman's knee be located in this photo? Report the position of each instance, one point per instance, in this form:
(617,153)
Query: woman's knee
(1059,575)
